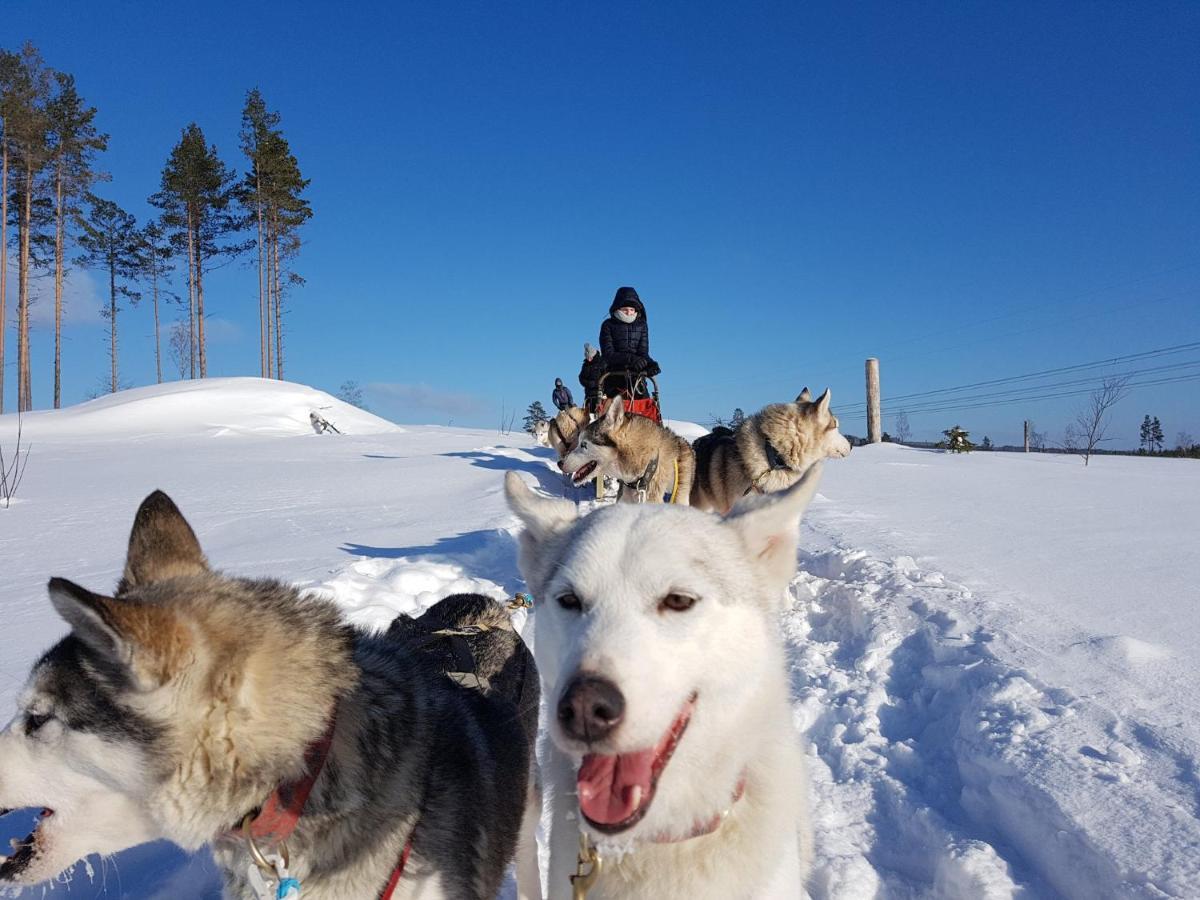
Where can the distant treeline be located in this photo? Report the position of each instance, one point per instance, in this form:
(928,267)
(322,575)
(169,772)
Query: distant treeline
(51,217)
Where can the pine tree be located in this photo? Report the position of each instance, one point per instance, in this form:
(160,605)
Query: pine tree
(957,440)
(197,201)
(8,75)
(536,413)
(156,254)
(27,131)
(257,127)
(110,240)
(987,443)
(286,211)
(1156,435)
(74,143)
(1144,433)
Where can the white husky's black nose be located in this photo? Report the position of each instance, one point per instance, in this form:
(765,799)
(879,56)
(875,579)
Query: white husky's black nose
(591,708)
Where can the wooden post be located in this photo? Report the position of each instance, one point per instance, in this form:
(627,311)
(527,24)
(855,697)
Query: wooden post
(874,431)
(1026,435)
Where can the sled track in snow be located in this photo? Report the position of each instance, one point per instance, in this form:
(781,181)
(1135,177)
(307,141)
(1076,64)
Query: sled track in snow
(930,756)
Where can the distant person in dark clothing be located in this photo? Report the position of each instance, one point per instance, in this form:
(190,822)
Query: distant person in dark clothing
(562,395)
(625,339)
(590,374)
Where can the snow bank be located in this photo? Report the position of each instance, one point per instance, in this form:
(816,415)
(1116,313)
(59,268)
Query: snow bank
(689,431)
(210,406)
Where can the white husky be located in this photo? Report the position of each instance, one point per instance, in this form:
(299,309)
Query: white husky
(672,749)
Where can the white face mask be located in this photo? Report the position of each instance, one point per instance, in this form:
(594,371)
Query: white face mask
(626,314)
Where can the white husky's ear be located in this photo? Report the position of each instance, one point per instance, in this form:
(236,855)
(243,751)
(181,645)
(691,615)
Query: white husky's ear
(543,517)
(769,528)
(615,414)
(146,638)
(805,397)
(823,402)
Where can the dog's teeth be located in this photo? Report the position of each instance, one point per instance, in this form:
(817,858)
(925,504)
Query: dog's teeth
(635,796)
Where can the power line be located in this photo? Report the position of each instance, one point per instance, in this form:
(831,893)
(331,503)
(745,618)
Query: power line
(1147,354)
(1029,390)
(956,407)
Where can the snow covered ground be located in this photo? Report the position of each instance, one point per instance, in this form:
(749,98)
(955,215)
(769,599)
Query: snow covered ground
(995,656)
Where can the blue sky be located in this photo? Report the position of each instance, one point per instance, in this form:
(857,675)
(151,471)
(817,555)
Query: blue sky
(968,191)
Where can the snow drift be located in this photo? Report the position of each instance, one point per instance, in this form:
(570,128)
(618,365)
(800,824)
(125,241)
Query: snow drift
(210,406)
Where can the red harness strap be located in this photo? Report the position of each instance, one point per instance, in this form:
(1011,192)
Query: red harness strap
(707,826)
(282,810)
(397,872)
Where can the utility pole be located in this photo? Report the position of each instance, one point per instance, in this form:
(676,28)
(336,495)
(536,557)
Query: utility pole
(874,431)
(1026,435)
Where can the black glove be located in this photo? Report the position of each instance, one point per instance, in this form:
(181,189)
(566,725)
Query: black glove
(650,368)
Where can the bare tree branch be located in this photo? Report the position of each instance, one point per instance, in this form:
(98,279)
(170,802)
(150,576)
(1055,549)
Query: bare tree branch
(1088,430)
(12,472)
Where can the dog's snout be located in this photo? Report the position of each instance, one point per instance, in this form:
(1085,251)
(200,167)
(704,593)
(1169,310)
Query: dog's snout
(560,466)
(591,708)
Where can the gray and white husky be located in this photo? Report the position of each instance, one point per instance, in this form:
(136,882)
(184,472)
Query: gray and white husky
(189,703)
(768,452)
(672,747)
(651,462)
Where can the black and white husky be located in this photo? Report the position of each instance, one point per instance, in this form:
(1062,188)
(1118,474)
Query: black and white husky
(201,709)
(673,752)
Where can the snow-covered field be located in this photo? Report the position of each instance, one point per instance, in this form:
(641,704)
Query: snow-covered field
(995,656)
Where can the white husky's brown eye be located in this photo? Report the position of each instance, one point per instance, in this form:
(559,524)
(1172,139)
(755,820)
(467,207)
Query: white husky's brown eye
(569,601)
(34,721)
(676,603)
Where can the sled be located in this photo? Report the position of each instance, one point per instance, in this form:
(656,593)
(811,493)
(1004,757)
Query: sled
(640,393)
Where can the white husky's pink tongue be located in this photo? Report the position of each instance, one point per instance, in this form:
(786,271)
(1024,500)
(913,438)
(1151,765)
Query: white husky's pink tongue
(612,787)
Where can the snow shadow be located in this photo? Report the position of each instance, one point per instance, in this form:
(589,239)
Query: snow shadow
(549,480)
(491,553)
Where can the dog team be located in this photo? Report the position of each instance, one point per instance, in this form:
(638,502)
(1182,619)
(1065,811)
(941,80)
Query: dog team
(320,761)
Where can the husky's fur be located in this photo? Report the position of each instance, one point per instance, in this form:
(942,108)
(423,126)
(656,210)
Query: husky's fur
(562,432)
(176,707)
(668,606)
(624,446)
(769,452)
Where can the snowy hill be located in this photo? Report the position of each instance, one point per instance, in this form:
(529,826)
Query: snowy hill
(995,657)
(212,406)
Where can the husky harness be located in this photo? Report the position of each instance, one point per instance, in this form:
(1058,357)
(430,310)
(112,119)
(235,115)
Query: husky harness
(277,819)
(641,485)
(590,863)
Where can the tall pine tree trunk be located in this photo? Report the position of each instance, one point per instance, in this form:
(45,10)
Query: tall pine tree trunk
(203,356)
(154,294)
(278,303)
(269,308)
(24,400)
(3,254)
(59,247)
(112,315)
(264,365)
(191,296)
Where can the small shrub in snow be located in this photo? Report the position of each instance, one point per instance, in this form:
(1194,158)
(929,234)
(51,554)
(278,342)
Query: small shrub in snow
(957,440)
(12,469)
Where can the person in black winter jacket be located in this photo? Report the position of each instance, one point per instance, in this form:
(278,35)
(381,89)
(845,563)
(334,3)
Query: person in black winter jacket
(625,337)
(562,395)
(590,374)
